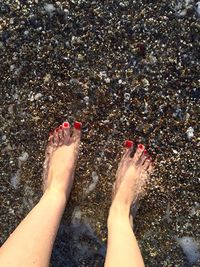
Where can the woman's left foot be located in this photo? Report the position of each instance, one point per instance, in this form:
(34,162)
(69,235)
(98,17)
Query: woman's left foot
(61,157)
(131,175)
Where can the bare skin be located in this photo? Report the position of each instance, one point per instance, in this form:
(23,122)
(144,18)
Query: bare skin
(131,175)
(31,242)
(61,157)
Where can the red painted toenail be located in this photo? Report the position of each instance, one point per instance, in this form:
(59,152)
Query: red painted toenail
(57,129)
(149,158)
(145,152)
(66,124)
(140,146)
(60,127)
(77,125)
(128,144)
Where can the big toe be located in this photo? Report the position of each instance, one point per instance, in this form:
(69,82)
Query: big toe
(128,148)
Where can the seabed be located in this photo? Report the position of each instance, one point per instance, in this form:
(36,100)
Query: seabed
(126,70)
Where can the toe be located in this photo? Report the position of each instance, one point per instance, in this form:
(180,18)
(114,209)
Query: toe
(56,136)
(77,131)
(138,153)
(60,135)
(143,157)
(66,132)
(151,166)
(128,148)
(50,139)
(147,164)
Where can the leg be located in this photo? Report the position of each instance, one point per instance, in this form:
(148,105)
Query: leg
(32,241)
(123,249)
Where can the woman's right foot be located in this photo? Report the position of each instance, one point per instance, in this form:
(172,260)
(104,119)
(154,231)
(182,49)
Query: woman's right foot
(61,157)
(131,176)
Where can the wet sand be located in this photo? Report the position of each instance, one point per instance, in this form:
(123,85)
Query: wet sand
(127,70)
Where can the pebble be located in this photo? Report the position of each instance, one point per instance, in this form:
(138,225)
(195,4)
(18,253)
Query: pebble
(190,133)
(174,151)
(15,179)
(86,99)
(50,9)
(107,80)
(1,45)
(47,78)
(127,97)
(198,8)
(3,138)
(80,57)
(145,82)
(23,157)
(38,96)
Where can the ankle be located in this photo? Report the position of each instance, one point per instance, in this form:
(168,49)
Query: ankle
(56,193)
(118,212)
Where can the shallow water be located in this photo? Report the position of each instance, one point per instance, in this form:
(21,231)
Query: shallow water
(127,70)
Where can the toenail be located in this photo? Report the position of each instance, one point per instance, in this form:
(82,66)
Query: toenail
(57,129)
(149,158)
(50,134)
(140,146)
(128,144)
(60,127)
(77,125)
(66,124)
(145,152)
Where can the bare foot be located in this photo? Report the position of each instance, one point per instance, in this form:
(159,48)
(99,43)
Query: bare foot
(61,156)
(131,175)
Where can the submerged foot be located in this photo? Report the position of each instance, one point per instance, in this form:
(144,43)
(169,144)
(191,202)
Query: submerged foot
(131,175)
(61,156)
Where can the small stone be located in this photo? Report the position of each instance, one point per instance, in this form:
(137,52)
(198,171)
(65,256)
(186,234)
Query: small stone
(141,49)
(3,138)
(152,59)
(190,133)
(80,57)
(12,67)
(145,82)
(15,179)
(38,96)
(127,97)
(86,98)
(174,151)
(1,45)
(50,9)
(10,109)
(23,157)
(107,80)
(198,8)
(47,78)
(12,21)
(73,81)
